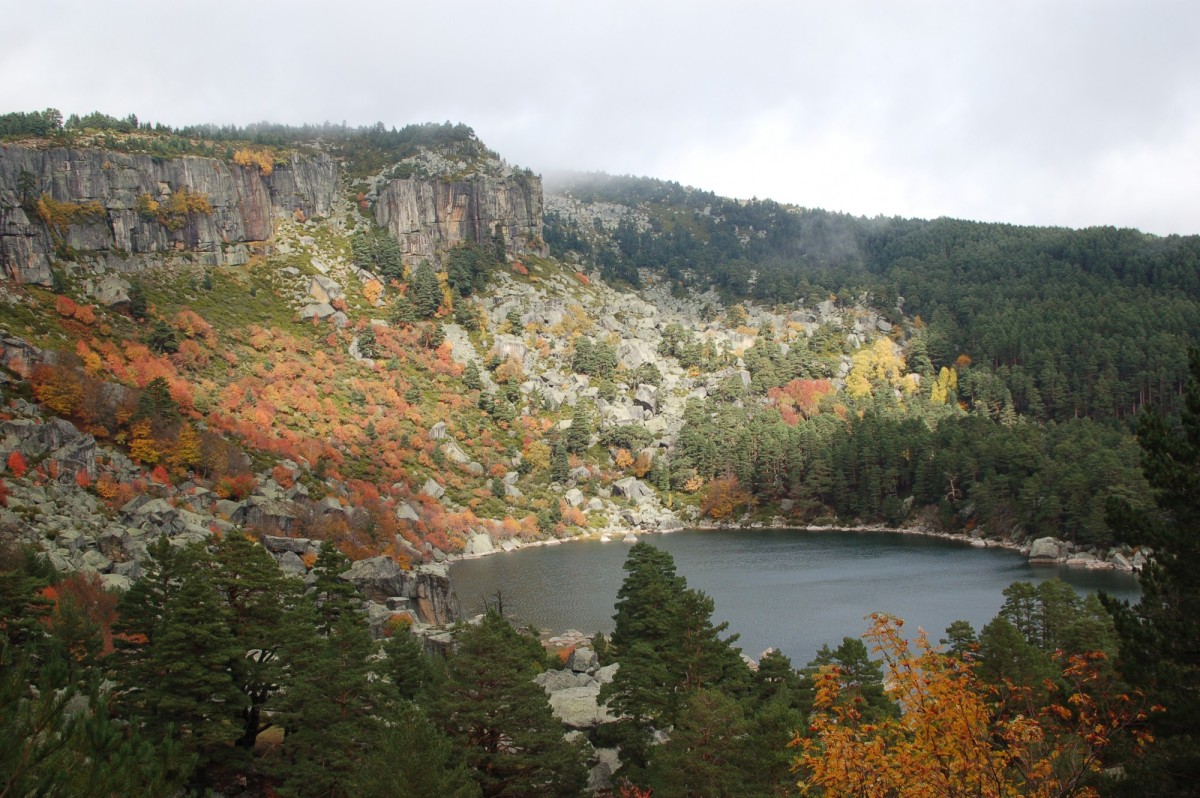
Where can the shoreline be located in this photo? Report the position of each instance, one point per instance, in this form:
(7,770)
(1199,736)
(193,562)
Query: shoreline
(618,535)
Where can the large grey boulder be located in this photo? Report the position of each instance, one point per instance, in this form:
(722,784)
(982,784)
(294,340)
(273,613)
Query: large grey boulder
(554,681)
(377,578)
(111,290)
(323,289)
(582,660)
(454,452)
(580,707)
(478,545)
(319,310)
(633,489)
(1046,549)
(646,397)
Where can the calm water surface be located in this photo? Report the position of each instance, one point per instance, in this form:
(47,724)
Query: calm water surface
(794,590)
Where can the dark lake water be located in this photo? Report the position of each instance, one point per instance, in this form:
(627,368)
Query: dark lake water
(794,590)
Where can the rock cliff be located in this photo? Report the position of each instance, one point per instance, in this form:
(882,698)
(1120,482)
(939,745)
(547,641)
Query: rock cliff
(429,216)
(118,207)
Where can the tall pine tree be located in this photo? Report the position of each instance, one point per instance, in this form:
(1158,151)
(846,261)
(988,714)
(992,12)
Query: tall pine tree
(1160,636)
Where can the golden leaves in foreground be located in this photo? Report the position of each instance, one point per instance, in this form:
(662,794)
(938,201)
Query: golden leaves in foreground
(954,736)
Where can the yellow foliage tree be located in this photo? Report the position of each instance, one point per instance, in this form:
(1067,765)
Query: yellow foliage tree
(263,159)
(142,445)
(59,389)
(953,738)
(186,451)
(624,459)
(943,386)
(537,454)
(372,289)
(879,365)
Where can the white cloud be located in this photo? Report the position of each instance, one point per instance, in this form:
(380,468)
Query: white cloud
(1063,112)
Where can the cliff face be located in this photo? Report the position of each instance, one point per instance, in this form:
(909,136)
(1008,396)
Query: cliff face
(119,228)
(428,217)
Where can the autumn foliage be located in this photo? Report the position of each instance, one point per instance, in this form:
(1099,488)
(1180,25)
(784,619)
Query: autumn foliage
(799,399)
(724,496)
(16,464)
(954,737)
(263,159)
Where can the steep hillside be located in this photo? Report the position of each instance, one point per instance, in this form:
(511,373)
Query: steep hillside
(360,336)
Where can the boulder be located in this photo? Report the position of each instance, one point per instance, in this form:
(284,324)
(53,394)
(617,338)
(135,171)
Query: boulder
(646,397)
(1046,549)
(633,489)
(377,578)
(634,353)
(579,707)
(405,512)
(320,310)
(325,290)
(291,564)
(582,660)
(111,290)
(554,681)
(454,452)
(432,489)
(479,544)
(573,497)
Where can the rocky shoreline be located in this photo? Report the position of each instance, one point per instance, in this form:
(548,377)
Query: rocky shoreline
(1040,551)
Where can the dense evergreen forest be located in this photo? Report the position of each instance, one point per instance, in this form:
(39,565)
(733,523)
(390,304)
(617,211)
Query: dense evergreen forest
(1071,323)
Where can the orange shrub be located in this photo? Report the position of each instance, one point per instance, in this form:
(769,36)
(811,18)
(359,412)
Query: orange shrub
(16,464)
(65,306)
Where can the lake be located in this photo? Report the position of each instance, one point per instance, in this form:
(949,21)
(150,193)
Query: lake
(792,589)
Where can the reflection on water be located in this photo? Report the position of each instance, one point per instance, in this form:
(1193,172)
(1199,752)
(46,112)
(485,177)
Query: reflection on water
(790,589)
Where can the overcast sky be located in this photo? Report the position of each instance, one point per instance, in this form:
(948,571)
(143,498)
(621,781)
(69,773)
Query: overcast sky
(1055,113)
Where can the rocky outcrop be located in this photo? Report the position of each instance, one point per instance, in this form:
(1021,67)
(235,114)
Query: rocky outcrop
(117,191)
(430,216)
(427,587)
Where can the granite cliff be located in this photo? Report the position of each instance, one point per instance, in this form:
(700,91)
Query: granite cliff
(125,212)
(429,216)
(116,208)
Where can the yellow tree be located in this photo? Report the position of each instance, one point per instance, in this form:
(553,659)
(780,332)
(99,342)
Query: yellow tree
(880,364)
(953,738)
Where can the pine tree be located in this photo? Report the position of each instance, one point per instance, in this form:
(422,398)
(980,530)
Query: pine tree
(332,709)
(1158,636)
(334,597)
(190,695)
(708,753)
(646,597)
(51,745)
(500,719)
(412,672)
(424,291)
(257,597)
(472,380)
(142,610)
(579,436)
(411,758)
(404,313)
